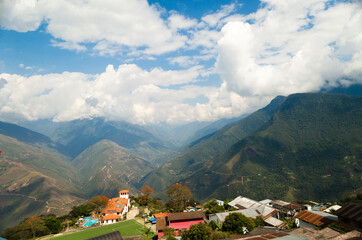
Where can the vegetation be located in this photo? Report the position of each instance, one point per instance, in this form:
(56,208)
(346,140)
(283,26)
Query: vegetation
(98,203)
(197,156)
(198,231)
(310,138)
(147,190)
(179,197)
(237,223)
(32,227)
(213,207)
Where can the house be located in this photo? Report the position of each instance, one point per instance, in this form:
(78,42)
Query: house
(287,209)
(244,203)
(267,202)
(220,203)
(276,236)
(350,216)
(252,209)
(332,208)
(312,219)
(115,208)
(268,214)
(178,221)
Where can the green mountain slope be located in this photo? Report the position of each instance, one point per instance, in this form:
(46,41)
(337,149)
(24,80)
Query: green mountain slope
(198,153)
(108,167)
(310,149)
(34,181)
(78,135)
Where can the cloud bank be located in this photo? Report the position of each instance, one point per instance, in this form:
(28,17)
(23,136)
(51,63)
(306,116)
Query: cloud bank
(285,47)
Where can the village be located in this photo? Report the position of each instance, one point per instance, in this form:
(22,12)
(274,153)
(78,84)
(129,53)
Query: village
(140,216)
(266,219)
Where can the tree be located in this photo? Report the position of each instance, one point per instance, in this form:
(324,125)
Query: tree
(169,233)
(214,225)
(144,200)
(213,207)
(53,224)
(81,210)
(259,221)
(36,226)
(198,231)
(179,196)
(236,222)
(98,203)
(147,190)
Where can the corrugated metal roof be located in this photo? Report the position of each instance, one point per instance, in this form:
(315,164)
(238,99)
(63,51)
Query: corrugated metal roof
(243,203)
(351,211)
(185,215)
(264,212)
(275,222)
(161,223)
(319,219)
(278,235)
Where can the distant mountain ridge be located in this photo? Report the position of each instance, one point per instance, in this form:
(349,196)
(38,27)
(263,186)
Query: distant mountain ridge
(78,135)
(196,155)
(108,167)
(311,148)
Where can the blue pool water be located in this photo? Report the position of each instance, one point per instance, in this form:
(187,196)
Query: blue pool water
(90,222)
(87,218)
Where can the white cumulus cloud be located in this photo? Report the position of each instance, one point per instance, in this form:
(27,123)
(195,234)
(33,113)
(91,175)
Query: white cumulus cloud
(292,46)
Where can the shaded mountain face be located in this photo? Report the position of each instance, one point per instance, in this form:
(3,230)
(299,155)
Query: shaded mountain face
(78,135)
(311,148)
(198,153)
(34,181)
(30,137)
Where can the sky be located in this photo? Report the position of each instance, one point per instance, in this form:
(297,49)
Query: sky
(170,61)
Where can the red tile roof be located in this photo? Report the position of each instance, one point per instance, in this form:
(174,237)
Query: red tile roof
(111,217)
(158,215)
(115,205)
(314,219)
(124,191)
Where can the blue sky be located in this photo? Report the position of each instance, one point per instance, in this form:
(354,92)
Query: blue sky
(170,61)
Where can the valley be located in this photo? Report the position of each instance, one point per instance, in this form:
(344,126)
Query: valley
(304,146)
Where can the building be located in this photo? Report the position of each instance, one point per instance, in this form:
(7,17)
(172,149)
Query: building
(116,208)
(312,219)
(252,209)
(268,214)
(332,208)
(350,216)
(178,221)
(286,209)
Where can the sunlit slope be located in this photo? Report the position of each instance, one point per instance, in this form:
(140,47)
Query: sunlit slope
(310,149)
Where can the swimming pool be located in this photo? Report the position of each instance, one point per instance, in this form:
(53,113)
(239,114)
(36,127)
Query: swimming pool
(89,223)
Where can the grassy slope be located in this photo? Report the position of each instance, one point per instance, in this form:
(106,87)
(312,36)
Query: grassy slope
(108,168)
(34,181)
(310,149)
(207,148)
(126,228)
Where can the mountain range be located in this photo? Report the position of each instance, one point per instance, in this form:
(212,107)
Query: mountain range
(304,146)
